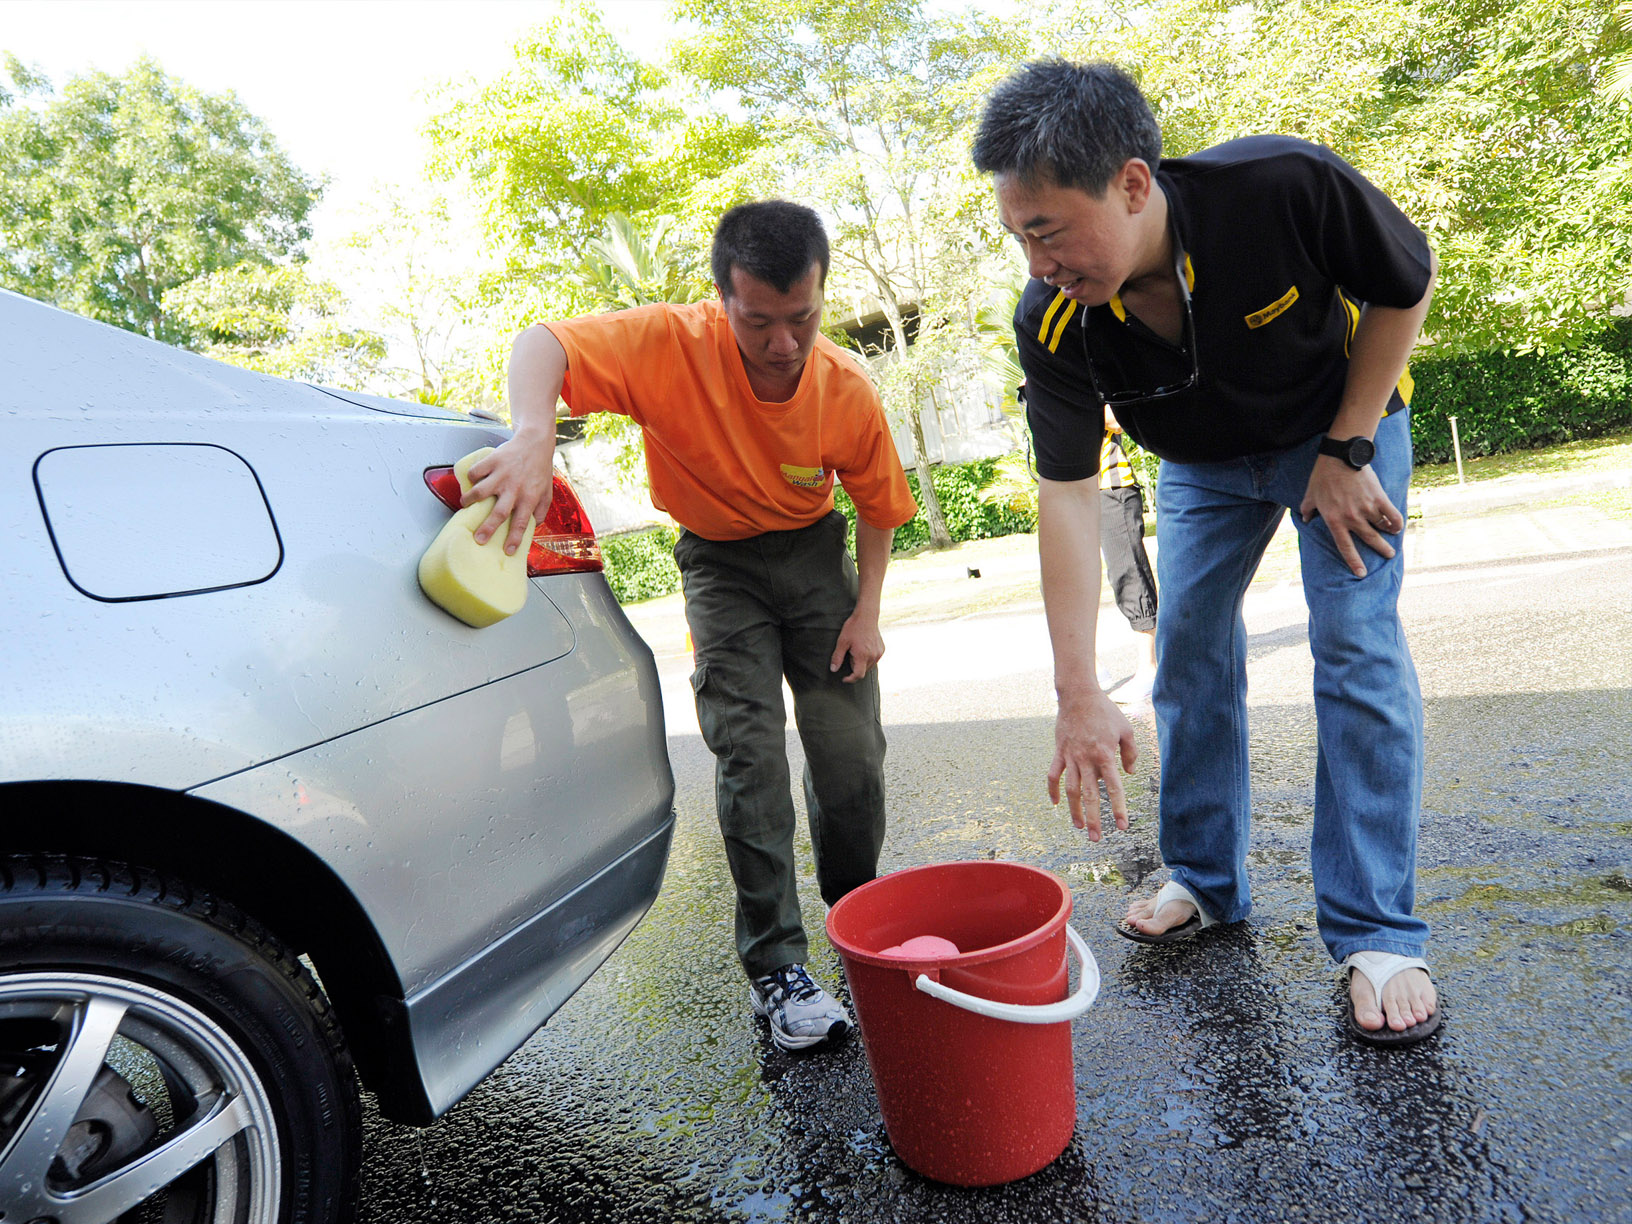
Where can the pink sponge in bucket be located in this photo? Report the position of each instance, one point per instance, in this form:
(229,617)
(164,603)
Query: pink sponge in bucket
(923,947)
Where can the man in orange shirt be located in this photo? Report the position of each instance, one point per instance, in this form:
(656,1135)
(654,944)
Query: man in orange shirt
(748,414)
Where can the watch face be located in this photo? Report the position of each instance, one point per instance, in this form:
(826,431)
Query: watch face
(1360,453)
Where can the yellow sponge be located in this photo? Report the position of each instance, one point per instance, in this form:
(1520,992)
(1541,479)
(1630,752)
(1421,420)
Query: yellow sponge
(477,583)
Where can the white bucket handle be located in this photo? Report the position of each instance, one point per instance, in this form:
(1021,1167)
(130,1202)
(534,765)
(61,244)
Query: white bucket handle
(1027,1013)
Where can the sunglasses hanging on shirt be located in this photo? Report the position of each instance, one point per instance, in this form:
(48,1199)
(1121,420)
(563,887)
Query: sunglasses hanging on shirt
(1107,388)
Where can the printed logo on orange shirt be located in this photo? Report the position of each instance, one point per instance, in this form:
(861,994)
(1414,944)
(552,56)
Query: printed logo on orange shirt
(804,477)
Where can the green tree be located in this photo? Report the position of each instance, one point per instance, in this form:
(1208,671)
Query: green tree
(1618,87)
(118,189)
(576,131)
(1494,124)
(995,323)
(863,107)
(277,320)
(428,300)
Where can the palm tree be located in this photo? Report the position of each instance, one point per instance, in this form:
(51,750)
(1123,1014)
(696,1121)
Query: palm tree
(626,268)
(1618,84)
(1013,482)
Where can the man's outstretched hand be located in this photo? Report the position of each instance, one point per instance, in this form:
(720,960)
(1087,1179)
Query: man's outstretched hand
(1091,738)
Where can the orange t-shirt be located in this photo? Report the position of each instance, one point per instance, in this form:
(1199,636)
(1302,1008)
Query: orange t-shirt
(723,463)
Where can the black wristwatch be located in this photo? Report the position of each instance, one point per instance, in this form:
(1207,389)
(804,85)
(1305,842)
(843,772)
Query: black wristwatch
(1356,452)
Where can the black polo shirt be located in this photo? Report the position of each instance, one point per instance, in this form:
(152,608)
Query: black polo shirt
(1281,242)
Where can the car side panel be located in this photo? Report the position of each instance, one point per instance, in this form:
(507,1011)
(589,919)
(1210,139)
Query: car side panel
(457,822)
(473,1018)
(175,691)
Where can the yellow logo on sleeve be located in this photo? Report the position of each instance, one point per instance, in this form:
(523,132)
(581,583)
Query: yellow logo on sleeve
(1274,310)
(803,477)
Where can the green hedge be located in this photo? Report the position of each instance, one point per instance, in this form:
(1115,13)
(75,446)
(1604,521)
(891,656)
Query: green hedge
(1508,402)
(640,564)
(958,488)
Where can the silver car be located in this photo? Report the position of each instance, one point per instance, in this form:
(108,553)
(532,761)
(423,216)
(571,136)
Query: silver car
(264,808)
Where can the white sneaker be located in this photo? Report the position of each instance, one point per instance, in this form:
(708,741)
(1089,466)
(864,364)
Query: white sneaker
(801,1013)
(1135,692)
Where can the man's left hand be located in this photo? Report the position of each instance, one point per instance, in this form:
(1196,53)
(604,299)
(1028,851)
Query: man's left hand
(861,640)
(1354,507)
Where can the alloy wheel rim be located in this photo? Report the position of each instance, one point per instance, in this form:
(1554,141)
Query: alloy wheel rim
(73,1150)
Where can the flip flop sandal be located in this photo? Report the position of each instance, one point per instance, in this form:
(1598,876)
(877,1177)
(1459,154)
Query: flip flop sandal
(1171,891)
(1380,968)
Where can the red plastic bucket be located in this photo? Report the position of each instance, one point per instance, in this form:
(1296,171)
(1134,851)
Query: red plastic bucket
(970,1054)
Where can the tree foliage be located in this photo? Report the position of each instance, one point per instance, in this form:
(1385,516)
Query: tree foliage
(576,131)
(1618,86)
(1491,122)
(427,300)
(863,108)
(1531,200)
(277,320)
(117,190)
(625,267)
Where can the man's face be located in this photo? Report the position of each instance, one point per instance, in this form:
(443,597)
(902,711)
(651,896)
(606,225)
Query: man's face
(1085,246)
(775,331)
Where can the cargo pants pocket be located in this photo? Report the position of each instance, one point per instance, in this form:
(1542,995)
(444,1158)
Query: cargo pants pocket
(711,712)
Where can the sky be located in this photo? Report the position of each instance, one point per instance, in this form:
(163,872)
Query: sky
(344,85)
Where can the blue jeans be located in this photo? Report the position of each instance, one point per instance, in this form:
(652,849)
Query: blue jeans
(1214,521)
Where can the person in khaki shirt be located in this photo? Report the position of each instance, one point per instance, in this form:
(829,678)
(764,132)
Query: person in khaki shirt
(748,415)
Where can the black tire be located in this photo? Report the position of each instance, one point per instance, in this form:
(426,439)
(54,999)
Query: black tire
(221,1045)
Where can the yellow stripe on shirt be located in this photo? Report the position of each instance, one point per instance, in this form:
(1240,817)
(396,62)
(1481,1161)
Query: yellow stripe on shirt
(1059,330)
(1407,385)
(1048,315)
(1353,311)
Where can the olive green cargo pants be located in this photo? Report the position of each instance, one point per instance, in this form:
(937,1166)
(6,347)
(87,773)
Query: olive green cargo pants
(760,609)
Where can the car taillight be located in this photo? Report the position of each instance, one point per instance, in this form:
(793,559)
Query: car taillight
(442,482)
(564,543)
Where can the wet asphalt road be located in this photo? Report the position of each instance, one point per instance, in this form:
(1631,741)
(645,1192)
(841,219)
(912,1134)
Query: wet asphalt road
(1213,1079)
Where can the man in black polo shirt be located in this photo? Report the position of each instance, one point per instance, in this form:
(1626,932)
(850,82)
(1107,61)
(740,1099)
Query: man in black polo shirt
(1247,313)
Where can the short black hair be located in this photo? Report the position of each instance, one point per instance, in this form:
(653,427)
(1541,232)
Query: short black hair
(1069,124)
(775,241)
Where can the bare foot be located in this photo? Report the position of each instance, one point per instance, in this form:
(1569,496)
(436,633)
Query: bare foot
(1143,915)
(1409,998)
